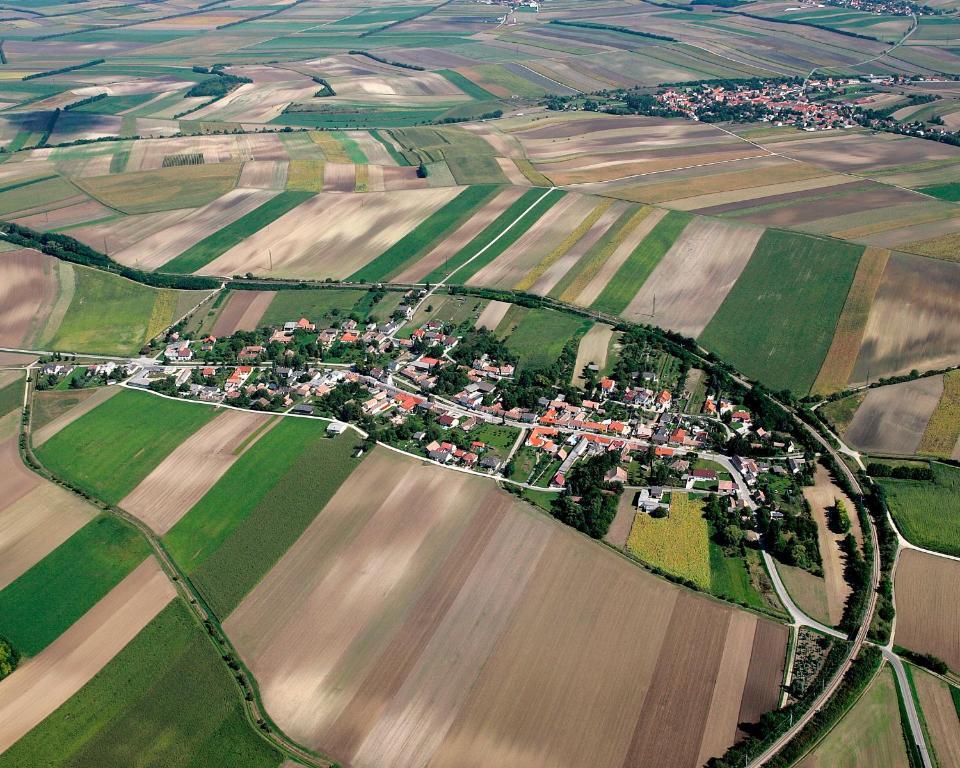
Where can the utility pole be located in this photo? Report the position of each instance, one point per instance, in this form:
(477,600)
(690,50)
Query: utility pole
(270,252)
(654,314)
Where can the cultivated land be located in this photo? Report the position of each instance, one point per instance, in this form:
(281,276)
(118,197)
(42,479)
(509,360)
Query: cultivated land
(892,419)
(928,512)
(241,311)
(927,613)
(940,713)
(28,289)
(593,349)
(678,544)
(374,681)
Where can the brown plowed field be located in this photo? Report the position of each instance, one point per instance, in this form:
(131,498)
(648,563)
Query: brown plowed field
(339,177)
(762,689)
(16,480)
(184,476)
(941,716)
(695,276)
(838,365)
(332,235)
(928,612)
(28,289)
(915,319)
(892,419)
(121,233)
(492,314)
(160,247)
(620,527)
(460,237)
(425,617)
(242,312)
(47,680)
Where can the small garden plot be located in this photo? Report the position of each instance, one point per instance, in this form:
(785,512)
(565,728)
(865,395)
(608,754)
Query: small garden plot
(324,306)
(927,512)
(542,335)
(499,439)
(677,544)
(109,450)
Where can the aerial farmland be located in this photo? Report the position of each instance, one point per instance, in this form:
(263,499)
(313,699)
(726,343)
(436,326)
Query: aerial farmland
(479,383)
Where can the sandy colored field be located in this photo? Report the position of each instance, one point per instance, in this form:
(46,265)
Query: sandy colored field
(694,277)
(182,478)
(160,247)
(44,433)
(838,365)
(593,349)
(460,237)
(425,617)
(619,166)
(915,319)
(36,524)
(68,216)
(535,244)
(757,195)
(492,314)
(545,275)
(264,174)
(16,481)
(590,284)
(148,155)
(242,312)
(941,716)
(28,289)
(620,527)
(892,419)
(123,231)
(46,681)
(332,235)
(514,175)
(821,496)
(339,177)
(928,613)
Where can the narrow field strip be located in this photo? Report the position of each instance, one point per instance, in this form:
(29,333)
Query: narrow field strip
(42,684)
(497,237)
(841,358)
(631,276)
(941,436)
(199,255)
(436,227)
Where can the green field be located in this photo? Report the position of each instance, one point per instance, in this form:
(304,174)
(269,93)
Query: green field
(111,315)
(353,150)
(112,105)
(199,255)
(778,320)
(424,237)
(471,168)
(259,508)
(43,602)
(469,87)
(11,395)
(398,158)
(839,413)
(678,544)
(927,513)
(949,191)
(321,306)
(372,118)
(633,273)
(109,450)
(730,578)
(165,700)
(534,199)
(541,335)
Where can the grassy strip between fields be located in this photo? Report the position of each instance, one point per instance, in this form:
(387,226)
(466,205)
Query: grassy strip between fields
(778,320)
(165,699)
(43,602)
(533,199)
(633,273)
(200,254)
(108,451)
(263,510)
(424,237)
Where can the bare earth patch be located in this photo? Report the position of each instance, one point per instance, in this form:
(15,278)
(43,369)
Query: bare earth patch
(27,284)
(941,716)
(242,312)
(892,419)
(492,314)
(593,349)
(928,612)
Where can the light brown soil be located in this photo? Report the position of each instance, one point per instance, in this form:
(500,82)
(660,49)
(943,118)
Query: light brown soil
(928,612)
(513,174)
(332,235)
(160,247)
(46,681)
(99,395)
(620,527)
(593,349)
(941,716)
(809,592)
(116,235)
(820,496)
(184,476)
(492,314)
(761,692)
(339,177)
(16,480)
(35,525)
(242,312)
(892,419)
(27,284)
(695,276)
(915,319)
(460,237)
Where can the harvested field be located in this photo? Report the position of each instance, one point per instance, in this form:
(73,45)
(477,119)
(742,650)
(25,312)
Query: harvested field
(928,612)
(460,237)
(123,231)
(332,235)
(264,174)
(16,481)
(620,527)
(339,177)
(822,496)
(593,349)
(492,314)
(242,312)
(915,319)
(892,419)
(809,592)
(35,525)
(160,247)
(838,365)
(940,712)
(184,476)
(47,680)
(28,290)
(462,642)
(695,276)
